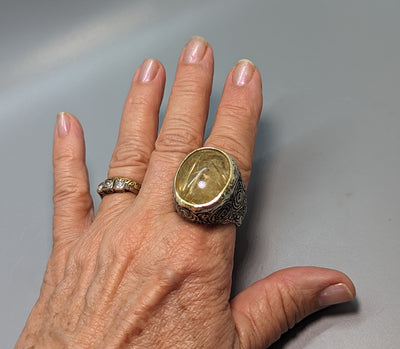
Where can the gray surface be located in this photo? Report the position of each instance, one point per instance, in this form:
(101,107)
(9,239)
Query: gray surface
(325,189)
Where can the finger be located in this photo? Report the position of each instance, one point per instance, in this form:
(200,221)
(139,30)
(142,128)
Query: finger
(73,207)
(139,122)
(235,125)
(138,127)
(271,306)
(186,115)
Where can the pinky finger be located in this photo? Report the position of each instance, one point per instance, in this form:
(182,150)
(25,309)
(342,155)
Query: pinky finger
(73,206)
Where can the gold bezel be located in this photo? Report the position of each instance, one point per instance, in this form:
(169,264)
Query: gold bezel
(218,198)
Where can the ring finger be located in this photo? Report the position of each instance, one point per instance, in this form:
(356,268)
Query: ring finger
(138,127)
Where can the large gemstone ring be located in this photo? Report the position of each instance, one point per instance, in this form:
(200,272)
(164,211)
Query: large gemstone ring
(208,188)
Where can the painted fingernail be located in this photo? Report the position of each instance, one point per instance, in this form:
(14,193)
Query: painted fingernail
(195,49)
(335,294)
(148,70)
(243,72)
(63,124)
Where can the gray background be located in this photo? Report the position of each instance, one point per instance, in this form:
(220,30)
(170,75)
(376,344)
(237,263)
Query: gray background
(325,189)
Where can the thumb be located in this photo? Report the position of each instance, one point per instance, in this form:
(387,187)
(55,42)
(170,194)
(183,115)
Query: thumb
(271,306)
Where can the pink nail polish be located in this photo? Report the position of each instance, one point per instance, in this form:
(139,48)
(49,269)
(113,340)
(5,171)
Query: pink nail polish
(63,124)
(148,70)
(195,50)
(335,294)
(243,72)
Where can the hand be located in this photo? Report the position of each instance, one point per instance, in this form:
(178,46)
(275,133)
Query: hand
(138,275)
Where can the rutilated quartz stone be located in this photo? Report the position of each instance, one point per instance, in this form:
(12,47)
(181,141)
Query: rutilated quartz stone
(202,176)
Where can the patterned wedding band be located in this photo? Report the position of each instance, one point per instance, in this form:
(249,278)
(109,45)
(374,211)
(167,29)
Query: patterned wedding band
(208,188)
(118,185)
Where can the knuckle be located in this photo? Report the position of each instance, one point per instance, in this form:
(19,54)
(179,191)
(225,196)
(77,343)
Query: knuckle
(292,312)
(68,189)
(127,155)
(138,102)
(189,86)
(236,110)
(67,155)
(183,265)
(196,255)
(168,277)
(178,139)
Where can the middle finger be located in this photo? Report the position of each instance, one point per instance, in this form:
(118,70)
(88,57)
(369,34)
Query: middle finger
(184,123)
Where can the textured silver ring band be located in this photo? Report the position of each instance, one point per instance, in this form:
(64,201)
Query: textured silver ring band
(208,188)
(118,185)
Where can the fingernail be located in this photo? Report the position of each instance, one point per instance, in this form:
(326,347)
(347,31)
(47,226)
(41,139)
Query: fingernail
(195,50)
(243,72)
(63,124)
(148,70)
(335,294)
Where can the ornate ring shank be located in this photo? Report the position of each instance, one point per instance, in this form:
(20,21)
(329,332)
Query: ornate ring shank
(208,188)
(118,185)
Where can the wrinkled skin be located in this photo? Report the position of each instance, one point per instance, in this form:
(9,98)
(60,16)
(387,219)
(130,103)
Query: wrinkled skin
(137,275)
